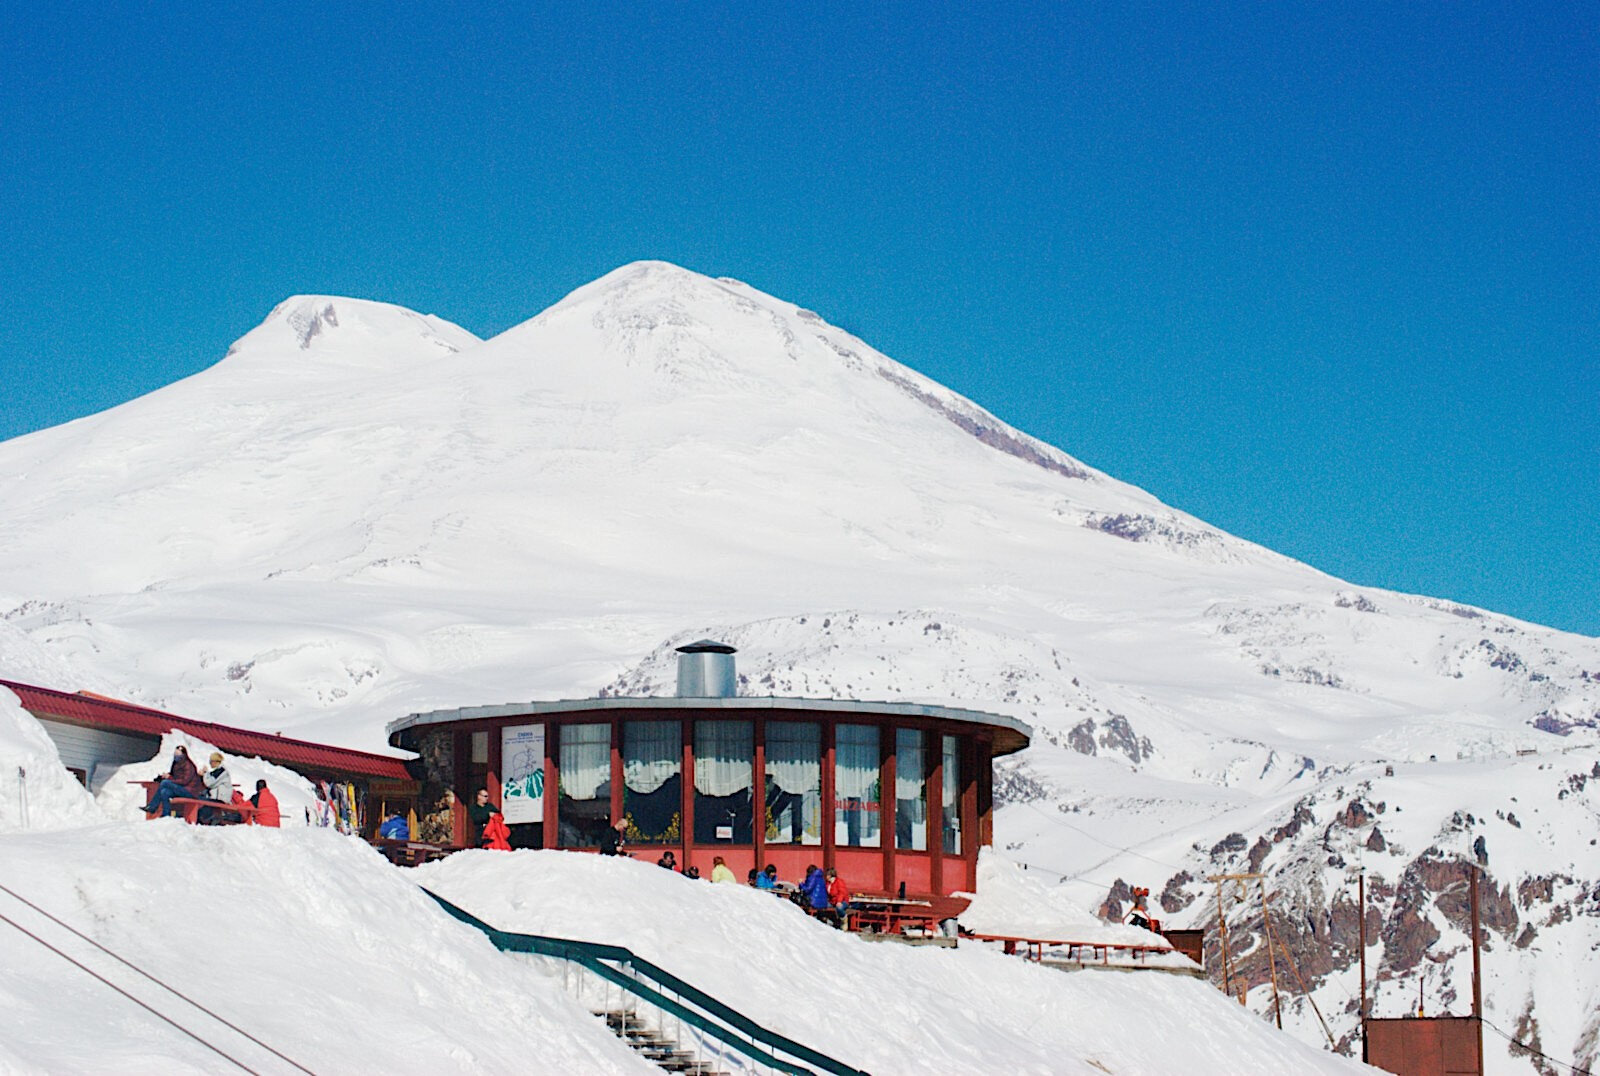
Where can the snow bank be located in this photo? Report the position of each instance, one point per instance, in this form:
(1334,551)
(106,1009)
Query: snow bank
(309,940)
(36,791)
(1009,901)
(882,1007)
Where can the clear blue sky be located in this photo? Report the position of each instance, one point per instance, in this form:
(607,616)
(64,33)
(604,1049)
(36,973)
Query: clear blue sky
(1325,275)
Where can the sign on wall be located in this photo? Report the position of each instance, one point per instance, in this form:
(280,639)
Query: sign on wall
(522,766)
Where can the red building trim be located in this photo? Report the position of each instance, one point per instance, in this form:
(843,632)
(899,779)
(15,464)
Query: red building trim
(301,755)
(928,873)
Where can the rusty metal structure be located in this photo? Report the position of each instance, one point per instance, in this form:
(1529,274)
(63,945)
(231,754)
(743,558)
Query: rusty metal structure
(1425,1045)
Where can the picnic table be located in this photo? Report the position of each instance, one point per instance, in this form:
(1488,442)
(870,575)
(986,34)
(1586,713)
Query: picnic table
(188,807)
(409,853)
(874,914)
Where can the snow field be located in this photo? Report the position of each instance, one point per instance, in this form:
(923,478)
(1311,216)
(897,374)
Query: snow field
(309,940)
(882,1007)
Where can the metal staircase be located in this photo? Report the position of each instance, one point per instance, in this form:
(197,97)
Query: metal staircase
(654,1046)
(663,1018)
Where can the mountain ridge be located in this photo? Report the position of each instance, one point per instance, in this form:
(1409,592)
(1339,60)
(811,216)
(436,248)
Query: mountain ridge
(320,546)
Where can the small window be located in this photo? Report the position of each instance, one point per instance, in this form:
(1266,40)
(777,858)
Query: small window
(952,795)
(911,791)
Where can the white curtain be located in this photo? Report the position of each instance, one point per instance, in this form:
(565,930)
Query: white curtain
(794,756)
(652,753)
(724,757)
(909,783)
(585,760)
(952,795)
(856,768)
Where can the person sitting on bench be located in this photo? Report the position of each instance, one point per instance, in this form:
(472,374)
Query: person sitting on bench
(838,898)
(815,888)
(181,780)
(219,786)
(266,805)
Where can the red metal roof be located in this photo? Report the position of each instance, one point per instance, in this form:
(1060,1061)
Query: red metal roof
(100,712)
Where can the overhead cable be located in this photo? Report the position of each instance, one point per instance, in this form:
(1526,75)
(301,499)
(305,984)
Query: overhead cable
(133,967)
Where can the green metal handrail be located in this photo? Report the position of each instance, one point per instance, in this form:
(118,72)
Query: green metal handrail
(593,955)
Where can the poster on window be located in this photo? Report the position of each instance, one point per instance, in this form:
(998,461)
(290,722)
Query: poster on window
(522,763)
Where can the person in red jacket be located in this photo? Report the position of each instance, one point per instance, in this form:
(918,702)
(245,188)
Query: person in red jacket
(266,805)
(838,898)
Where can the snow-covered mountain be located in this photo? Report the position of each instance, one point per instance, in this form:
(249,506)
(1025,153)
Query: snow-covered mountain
(362,512)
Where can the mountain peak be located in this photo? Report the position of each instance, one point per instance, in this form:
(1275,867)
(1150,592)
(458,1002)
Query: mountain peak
(338,327)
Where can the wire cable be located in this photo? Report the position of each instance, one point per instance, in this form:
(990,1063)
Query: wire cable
(160,1016)
(1524,1046)
(133,967)
(1100,840)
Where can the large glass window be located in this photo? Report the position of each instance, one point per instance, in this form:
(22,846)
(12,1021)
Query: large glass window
(952,795)
(724,775)
(857,787)
(794,782)
(910,791)
(585,803)
(652,781)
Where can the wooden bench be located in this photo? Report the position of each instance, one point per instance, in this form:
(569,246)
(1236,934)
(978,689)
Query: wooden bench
(1083,952)
(189,808)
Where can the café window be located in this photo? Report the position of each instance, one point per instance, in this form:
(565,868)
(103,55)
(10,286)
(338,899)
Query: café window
(857,787)
(794,782)
(952,795)
(583,810)
(477,764)
(652,781)
(724,774)
(910,791)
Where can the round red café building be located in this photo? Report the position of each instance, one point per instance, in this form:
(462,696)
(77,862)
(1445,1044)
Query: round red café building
(889,794)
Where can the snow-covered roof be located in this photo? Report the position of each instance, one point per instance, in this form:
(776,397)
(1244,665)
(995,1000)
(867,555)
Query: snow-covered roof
(1010,735)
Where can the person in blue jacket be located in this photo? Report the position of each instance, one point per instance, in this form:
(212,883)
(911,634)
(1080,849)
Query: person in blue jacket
(394,828)
(815,888)
(767,879)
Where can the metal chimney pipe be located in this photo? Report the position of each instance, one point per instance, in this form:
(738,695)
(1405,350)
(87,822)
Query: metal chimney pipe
(705,671)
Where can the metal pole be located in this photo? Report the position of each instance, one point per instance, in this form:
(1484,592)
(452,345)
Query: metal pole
(1361,911)
(1272,961)
(1477,970)
(1222,930)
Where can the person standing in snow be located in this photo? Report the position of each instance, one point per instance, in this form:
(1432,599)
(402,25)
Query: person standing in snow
(611,843)
(182,780)
(720,871)
(479,814)
(266,805)
(219,786)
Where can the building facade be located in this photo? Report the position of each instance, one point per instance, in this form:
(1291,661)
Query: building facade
(889,794)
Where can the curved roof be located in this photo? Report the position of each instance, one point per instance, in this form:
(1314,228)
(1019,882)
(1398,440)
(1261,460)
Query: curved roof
(1010,735)
(97,711)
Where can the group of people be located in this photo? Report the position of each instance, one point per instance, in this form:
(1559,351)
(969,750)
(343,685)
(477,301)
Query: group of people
(822,893)
(185,780)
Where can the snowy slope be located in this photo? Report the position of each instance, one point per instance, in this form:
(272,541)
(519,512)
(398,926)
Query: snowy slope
(362,512)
